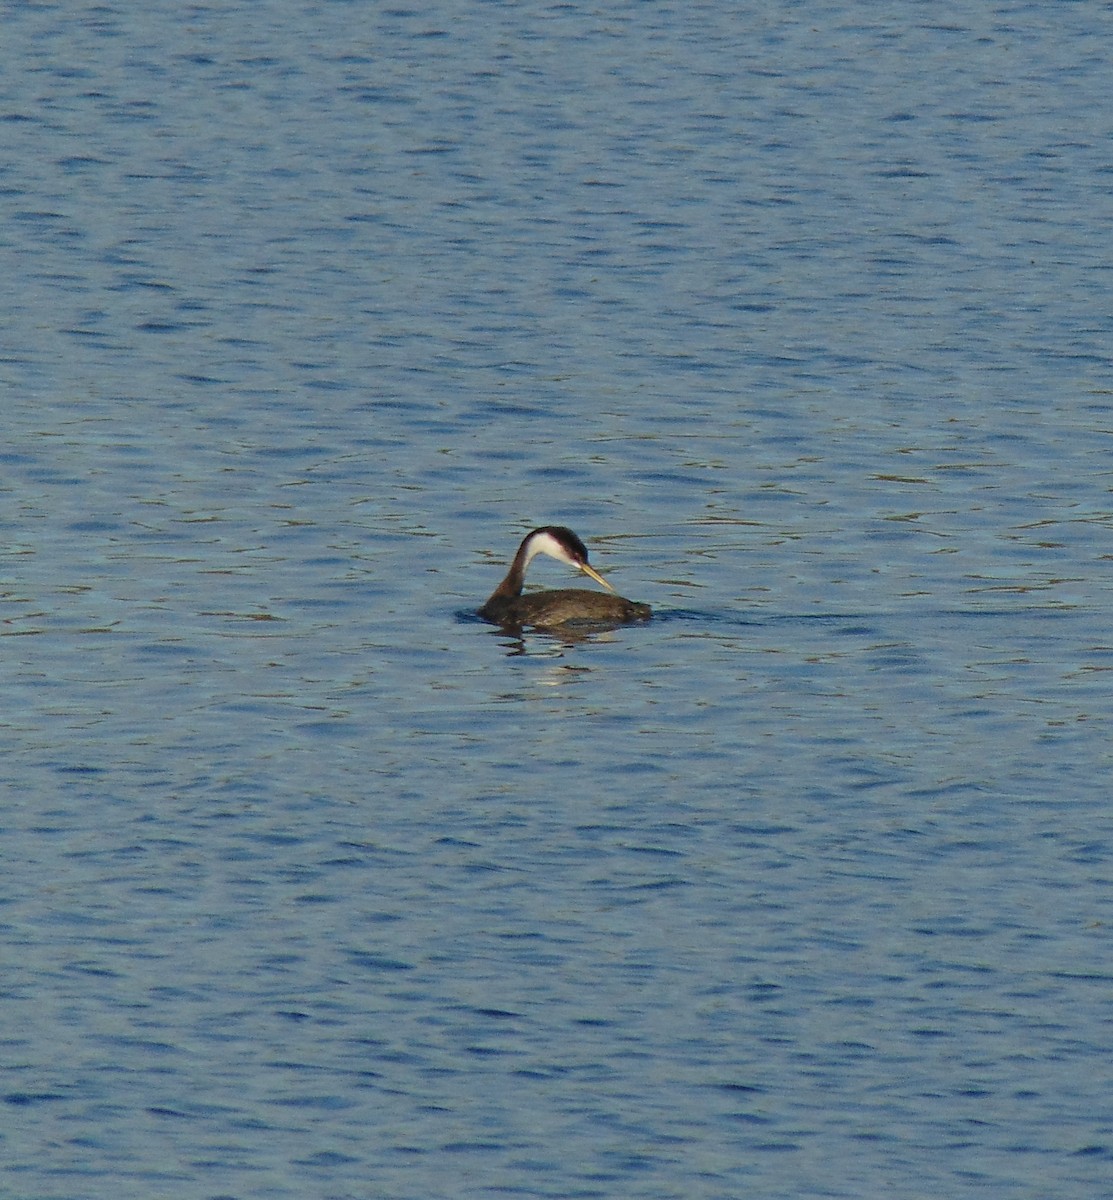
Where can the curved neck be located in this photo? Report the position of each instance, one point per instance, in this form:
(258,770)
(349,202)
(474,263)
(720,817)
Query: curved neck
(511,586)
(559,543)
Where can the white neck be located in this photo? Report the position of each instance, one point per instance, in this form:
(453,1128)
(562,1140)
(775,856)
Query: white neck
(545,543)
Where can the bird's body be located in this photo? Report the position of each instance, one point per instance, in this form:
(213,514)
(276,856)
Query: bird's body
(561,606)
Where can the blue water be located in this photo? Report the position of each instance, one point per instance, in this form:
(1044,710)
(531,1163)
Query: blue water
(317,886)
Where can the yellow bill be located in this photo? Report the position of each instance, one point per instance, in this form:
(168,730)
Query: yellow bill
(595,575)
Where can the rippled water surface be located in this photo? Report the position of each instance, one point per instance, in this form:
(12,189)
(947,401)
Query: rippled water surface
(317,886)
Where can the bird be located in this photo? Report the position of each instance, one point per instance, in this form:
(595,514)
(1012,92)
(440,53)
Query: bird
(561,606)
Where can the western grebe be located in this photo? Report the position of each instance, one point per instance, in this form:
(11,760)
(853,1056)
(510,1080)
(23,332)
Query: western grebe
(507,605)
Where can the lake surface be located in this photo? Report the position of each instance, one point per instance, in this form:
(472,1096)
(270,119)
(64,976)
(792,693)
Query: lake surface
(317,886)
